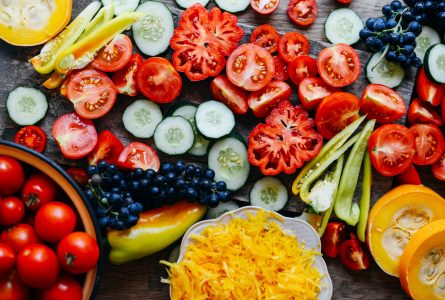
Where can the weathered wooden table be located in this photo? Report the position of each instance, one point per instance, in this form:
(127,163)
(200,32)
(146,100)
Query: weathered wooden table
(141,279)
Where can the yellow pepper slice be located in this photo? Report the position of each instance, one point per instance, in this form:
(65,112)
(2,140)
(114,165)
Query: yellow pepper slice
(105,14)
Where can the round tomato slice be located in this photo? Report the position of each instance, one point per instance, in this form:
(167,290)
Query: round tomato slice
(139,155)
(382,103)
(264,7)
(263,101)
(339,65)
(266,36)
(420,112)
(32,137)
(391,148)
(292,45)
(75,136)
(250,67)
(226,92)
(335,112)
(438,168)
(302,67)
(312,90)
(281,73)
(302,12)
(92,93)
(115,55)
(429,144)
(158,80)
(428,91)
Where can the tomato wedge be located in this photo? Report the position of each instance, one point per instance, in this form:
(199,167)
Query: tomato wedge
(266,36)
(139,155)
(335,112)
(108,148)
(75,136)
(431,92)
(420,112)
(292,45)
(302,67)
(80,175)
(429,144)
(32,137)
(250,67)
(115,55)
(353,255)
(302,12)
(339,65)
(410,176)
(392,149)
(264,7)
(438,168)
(332,237)
(92,93)
(263,101)
(158,80)
(125,79)
(312,90)
(226,92)
(281,73)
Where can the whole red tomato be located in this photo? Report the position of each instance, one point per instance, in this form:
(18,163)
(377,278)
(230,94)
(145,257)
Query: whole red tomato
(65,288)
(12,211)
(38,190)
(19,236)
(78,252)
(12,288)
(7,259)
(54,221)
(12,175)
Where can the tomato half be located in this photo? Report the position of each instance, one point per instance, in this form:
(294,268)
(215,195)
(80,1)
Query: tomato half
(382,103)
(108,148)
(421,112)
(438,168)
(7,259)
(66,288)
(12,288)
(281,73)
(78,252)
(19,236)
(38,190)
(335,112)
(12,175)
(139,155)
(353,255)
(92,93)
(302,67)
(428,91)
(12,211)
(392,149)
(292,45)
(302,12)
(339,65)
(233,96)
(312,90)
(332,237)
(250,67)
(158,80)
(410,176)
(80,175)
(429,144)
(115,55)
(266,36)
(263,101)
(54,221)
(32,137)
(75,136)
(264,7)
(125,79)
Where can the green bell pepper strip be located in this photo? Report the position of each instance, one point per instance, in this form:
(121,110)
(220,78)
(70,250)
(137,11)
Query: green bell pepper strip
(105,14)
(365,198)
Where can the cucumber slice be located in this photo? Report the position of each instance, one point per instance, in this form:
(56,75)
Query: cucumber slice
(435,63)
(269,193)
(121,6)
(343,26)
(214,119)
(233,6)
(388,73)
(152,33)
(105,14)
(174,136)
(141,118)
(222,208)
(187,3)
(26,106)
(426,39)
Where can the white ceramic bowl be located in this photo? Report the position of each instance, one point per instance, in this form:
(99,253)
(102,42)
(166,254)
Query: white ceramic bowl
(301,229)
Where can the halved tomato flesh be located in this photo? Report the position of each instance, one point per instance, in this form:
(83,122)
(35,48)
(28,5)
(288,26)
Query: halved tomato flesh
(302,67)
(421,112)
(32,137)
(264,7)
(431,92)
(312,90)
(292,45)
(281,73)
(233,96)
(263,101)
(429,144)
(438,168)
(115,55)
(108,148)
(139,155)
(302,12)
(125,79)
(266,36)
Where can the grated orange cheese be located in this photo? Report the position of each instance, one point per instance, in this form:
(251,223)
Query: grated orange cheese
(245,259)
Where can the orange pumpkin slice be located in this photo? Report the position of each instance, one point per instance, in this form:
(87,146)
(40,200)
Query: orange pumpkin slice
(396,217)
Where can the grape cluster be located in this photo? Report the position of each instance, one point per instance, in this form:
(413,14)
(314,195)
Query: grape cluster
(427,12)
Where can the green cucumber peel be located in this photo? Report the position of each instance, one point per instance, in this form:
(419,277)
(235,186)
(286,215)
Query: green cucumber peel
(365,199)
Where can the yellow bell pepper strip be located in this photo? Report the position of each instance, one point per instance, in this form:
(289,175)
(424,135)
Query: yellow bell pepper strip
(105,14)
(82,53)
(365,198)
(54,81)
(156,230)
(44,62)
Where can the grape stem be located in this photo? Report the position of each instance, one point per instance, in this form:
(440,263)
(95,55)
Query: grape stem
(381,57)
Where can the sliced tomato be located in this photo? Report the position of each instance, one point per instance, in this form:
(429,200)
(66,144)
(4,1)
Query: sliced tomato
(80,175)
(75,136)
(302,67)
(108,148)
(339,65)
(115,55)
(263,101)
(353,255)
(139,155)
(428,91)
(312,90)
(125,79)
(266,36)
(233,96)
(92,93)
(292,45)
(410,176)
(392,149)
(335,112)
(332,237)
(264,7)
(32,137)
(420,112)
(344,1)
(285,142)
(281,73)
(302,12)
(429,144)
(202,40)
(68,77)
(438,168)
(250,67)
(382,103)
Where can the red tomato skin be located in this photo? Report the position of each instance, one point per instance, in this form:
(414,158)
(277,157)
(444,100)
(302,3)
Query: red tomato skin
(294,14)
(263,101)
(121,45)
(54,221)
(333,235)
(7,259)
(225,91)
(12,175)
(32,137)
(309,84)
(78,252)
(281,72)
(421,112)
(38,190)
(265,10)
(266,36)
(12,288)
(125,79)
(429,91)
(410,176)
(433,137)
(66,288)
(108,148)
(80,175)
(130,158)
(344,1)
(438,168)
(12,211)
(353,255)
(291,45)
(19,236)
(302,67)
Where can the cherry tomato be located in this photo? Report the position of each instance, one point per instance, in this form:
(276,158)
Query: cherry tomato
(263,101)
(382,103)
(333,235)
(302,67)
(75,136)
(420,112)
(108,148)
(115,55)
(80,175)
(292,45)
(139,155)
(66,288)
(335,112)
(266,36)
(19,236)
(353,255)
(7,259)
(264,7)
(38,190)
(344,1)
(12,288)
(339,65)
(281,73)
(125,79)
(410,176)
(54,221)
(78,252)
(233,96)
(12,211)
(302,12)
(32,137)
(312,90)
(429,91)
(429,144)
(438,168)
(12,175)
(392,149)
